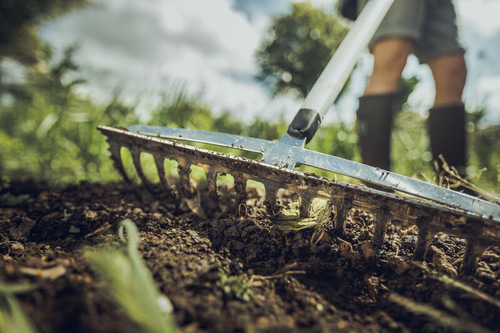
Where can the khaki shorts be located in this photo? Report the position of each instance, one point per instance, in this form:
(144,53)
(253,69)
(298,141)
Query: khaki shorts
(430,23)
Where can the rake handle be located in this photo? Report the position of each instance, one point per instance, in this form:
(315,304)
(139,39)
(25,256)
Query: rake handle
(333,78)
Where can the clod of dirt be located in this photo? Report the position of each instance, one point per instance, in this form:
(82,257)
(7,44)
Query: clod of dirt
(440,262)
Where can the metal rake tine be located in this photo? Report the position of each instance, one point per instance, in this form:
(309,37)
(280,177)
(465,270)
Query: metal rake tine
(160,168)
(136,159)
(271,198)
(115,150)
(240,186)
(382,218)
(186,188)
(306,198)
(189,194)
(472,251)
(424,238)
(211,175)
(342,208)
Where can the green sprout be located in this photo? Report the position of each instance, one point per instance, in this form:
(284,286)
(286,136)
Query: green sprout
(130,285)
(238,287)
(10,200)
(12,317)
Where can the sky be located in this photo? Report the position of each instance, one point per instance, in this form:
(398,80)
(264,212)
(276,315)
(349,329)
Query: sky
(143,48)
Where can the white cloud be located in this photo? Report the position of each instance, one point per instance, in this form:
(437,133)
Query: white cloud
(136,44)
(482,15)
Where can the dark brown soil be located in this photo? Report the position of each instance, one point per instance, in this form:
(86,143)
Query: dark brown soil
(309,281)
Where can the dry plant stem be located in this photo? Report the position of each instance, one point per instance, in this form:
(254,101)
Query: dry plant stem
(450,281)
(105,227)
(317,236)
(403,234)
(456,180)
(467,289)
(449,322)
(406,231)
(277,276)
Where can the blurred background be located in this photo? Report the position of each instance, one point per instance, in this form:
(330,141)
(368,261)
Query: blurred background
(232,66)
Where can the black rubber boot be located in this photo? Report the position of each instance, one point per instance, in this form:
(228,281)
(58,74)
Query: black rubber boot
(448,138)
(375,121)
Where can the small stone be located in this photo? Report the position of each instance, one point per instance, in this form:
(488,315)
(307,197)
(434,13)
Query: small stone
(23,230)
(91,215)
(372,285)
(232,232)
(73,229)
(399,265)
(342,324)
(484,272)
(345,248)
(441,263)
(17,248)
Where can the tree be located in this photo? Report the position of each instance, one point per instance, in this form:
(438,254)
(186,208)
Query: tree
(19,21)
(298,47)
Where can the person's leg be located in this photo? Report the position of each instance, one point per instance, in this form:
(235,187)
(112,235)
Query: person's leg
(375,114)
(449,72)
(447,118)
(389,60)
(441,49)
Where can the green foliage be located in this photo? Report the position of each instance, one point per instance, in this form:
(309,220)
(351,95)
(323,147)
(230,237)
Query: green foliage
(130,285)
(263,130)
(49,132)
(179,109)
(225,123)
(485,148)
(410,146)
(19,21)
(411,154)
(298,47)
(336,139)
(12,317)
(239,287)
(10,200)
(406,87)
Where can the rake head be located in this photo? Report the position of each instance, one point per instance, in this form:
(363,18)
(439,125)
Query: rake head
(467,219)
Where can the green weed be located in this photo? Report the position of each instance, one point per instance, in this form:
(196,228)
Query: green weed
(130,285)
(12,317)
(239,287)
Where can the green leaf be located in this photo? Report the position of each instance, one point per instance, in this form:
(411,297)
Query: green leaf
(130,285)
(12,317)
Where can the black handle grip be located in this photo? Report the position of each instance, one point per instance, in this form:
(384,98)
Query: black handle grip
(305,124)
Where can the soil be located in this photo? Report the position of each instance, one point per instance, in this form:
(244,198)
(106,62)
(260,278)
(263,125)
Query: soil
(307,281)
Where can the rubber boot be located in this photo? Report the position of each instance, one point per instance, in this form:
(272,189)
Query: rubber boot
(375,122)
(448,137)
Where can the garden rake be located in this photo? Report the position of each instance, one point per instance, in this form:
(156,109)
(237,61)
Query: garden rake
(433,209)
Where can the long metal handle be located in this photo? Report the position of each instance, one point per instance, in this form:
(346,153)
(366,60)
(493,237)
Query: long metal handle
(333,78)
